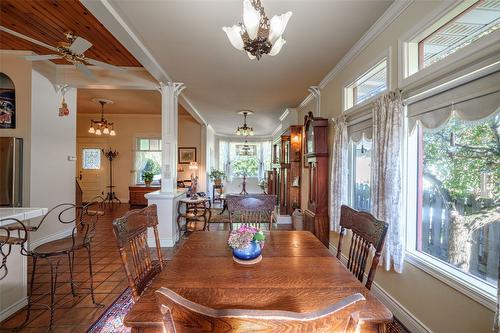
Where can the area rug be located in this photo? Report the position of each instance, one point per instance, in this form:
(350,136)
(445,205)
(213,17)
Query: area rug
(111,320)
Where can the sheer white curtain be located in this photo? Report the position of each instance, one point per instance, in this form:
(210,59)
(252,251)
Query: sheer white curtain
(496,325)
(386,190)
(338,177)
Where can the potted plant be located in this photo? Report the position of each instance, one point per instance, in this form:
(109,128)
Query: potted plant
(147,177)
(247,243)
(216,176)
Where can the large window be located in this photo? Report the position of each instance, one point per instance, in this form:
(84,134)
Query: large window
(360,174)
(369,84)
(244,159)
(148,158)
(458,214)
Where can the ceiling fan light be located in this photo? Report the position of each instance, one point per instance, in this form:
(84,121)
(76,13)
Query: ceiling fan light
(278,25)
(250,56)
(91,130)
(251,19)
(277,46)
(98,131)
(105,130)
(234,35)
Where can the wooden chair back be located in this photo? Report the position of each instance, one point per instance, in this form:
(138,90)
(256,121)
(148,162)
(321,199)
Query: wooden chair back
(251,209)
(131,233)
(367,232)
(182,315)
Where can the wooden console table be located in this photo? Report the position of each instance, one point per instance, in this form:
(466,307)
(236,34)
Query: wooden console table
(137,192)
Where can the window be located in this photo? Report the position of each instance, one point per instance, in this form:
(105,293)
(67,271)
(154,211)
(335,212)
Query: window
(459,27)
(458,218)
(369,84)
(148,158)
(360,175)
(91,158)
(244,159)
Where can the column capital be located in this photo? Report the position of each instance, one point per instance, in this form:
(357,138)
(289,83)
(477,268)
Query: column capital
(174,87)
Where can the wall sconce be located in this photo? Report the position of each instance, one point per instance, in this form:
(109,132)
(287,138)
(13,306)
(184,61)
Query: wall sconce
(296,138)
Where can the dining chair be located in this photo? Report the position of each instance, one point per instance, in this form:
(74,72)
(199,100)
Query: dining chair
(131,233)
(12,232)
(251,209)
(182,315)
(367,233)
(82,221)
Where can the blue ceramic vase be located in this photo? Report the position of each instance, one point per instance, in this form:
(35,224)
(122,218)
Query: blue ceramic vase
(248,253)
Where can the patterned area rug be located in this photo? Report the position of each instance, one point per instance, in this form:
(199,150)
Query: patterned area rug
(112,320)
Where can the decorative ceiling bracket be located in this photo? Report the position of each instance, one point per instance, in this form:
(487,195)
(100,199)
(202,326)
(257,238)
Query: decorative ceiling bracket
(316,93)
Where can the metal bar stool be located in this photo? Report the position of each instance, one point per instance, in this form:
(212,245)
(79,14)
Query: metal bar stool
(12,232)
(84,219)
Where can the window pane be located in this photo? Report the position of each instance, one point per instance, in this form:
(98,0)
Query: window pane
(371,83)
(479,20)
(459,176)
(148,161)
(143,144)
(361,176)
(91,159)
(154,144)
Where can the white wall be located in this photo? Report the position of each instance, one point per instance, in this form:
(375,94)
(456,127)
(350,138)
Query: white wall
(53,140)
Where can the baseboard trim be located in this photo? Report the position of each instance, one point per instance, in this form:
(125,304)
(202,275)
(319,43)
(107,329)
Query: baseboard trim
(49,238)
(164,242)
(412,323)
(284,219)
(9,311)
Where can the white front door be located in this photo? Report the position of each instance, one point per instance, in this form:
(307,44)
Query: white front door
(92,170)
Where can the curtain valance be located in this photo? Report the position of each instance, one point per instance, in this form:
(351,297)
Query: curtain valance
(470,101)
(357,131)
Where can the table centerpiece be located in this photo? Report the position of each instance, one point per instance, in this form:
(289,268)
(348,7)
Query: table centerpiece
(246,243)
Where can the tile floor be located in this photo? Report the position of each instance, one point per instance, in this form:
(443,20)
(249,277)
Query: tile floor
(78,314)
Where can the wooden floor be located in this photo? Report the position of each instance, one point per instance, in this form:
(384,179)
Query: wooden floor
(78,314)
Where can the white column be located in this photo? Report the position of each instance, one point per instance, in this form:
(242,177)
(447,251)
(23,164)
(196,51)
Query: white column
(166,199)
(169,125)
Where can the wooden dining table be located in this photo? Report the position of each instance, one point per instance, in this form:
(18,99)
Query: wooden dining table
(297,273)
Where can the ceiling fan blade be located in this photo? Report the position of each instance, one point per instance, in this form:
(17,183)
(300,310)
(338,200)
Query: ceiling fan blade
(43,57)
(104,65)
(80,45)
(29,39)
(85,71)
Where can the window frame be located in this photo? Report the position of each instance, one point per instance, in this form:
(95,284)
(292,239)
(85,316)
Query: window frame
(408,77)
(83,159)
(347,91)
(137,150)
(467,284)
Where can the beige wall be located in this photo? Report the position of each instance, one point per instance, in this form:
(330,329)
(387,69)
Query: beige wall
(438,306)
(128,128)
(189,135)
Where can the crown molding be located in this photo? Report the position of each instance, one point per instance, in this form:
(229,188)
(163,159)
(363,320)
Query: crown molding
(375,30)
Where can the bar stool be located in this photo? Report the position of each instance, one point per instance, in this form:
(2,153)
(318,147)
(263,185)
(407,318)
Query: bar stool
(85,219)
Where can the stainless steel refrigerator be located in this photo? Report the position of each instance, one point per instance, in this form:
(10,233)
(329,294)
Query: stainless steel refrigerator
(11,172)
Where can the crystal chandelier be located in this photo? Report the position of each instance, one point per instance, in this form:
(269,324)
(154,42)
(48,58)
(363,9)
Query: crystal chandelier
(244,130)
(258,35)
(102,126)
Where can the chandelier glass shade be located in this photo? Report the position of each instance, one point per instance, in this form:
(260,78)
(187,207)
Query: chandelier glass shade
(244,130)
(102,126)
(258,35)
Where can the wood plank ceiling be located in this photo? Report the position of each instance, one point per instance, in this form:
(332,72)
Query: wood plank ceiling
(48,20)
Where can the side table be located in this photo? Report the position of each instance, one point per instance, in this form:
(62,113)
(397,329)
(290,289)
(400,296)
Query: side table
(194,211)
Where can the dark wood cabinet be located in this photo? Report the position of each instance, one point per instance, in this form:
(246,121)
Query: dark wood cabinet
(137,192)
(316,156)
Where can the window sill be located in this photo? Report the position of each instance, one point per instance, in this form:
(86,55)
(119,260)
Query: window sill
(468,285)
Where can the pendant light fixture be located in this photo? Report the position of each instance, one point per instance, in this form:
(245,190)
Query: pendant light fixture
(258,35)
(245,130)
(102,126)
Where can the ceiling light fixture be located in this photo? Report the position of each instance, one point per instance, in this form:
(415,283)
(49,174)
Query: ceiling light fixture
(245,130)
(258,35)
(102,126)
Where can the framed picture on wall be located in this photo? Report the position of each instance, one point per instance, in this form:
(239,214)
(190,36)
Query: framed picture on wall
(187,155)
(7,102)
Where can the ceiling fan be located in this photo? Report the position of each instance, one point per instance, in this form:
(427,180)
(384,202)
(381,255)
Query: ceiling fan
(72,50)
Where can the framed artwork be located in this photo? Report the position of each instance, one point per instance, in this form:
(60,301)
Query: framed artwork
(187,155)
(7,102)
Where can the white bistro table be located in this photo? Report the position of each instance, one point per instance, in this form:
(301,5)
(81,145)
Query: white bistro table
(13,288)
